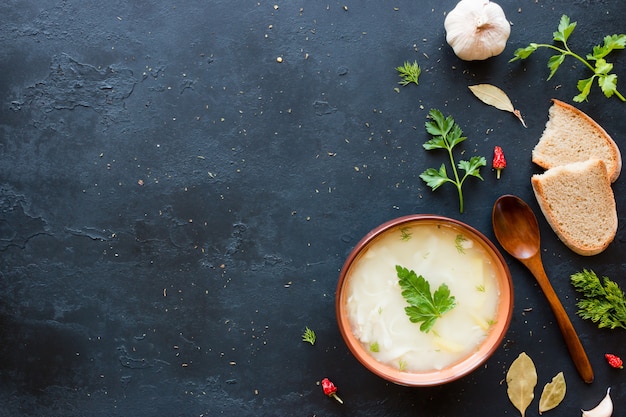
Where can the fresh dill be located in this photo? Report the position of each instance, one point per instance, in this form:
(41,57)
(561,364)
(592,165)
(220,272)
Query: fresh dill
(309,336)
(603,302)
(409,73)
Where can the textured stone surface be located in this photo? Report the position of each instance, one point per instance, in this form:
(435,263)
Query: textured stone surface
(176,204)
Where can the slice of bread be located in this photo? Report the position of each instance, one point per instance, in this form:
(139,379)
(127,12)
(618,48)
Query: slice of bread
(572,136)
(578,202)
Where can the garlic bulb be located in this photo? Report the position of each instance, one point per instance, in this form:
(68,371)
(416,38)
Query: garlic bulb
(604,409)
(477,29)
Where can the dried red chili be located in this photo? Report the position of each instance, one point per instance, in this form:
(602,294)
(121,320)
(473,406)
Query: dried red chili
(499,163)
(330,389)
(614,361)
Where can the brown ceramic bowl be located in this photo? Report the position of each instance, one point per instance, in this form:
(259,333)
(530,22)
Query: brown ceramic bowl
(502,304)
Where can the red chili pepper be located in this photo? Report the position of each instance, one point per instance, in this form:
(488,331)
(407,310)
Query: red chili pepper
(499,163)
(614,361)
(330,389)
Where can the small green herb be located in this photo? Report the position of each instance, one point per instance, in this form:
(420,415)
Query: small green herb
(480,288)
(603,301)
(374,347)
(402,364)
(308,336)
(458,243)
(409,73)
(424,307)
(405,233)
(446,135)
(600,68)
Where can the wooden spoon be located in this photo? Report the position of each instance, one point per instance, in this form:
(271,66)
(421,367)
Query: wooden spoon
(516,228)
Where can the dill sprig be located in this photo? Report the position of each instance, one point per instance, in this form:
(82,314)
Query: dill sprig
(603,301)
(409,73)
(308,336)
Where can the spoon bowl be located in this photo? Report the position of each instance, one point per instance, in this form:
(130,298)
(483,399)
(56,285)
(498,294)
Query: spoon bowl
(516,227)
(517,230)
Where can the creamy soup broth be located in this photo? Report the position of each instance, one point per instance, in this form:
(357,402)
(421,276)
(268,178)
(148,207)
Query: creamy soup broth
(441,254)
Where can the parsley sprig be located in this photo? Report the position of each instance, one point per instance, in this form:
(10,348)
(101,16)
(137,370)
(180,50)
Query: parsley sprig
(446,135)
(601,69)
(409,73)
(603,301)
(424,307)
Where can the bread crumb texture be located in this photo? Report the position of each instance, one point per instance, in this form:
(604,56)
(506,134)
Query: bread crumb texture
(572,136)
(578,203)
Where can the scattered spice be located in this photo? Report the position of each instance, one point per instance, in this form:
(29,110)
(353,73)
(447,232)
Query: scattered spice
(614,360)
(330,389)
(499,162)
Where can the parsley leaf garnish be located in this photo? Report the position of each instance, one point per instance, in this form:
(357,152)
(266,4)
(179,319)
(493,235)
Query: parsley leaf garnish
(446,135)
(603,302)
(424,307)
(601,68)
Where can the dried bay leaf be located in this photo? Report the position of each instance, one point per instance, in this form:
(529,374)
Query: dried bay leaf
(521,380)
(553,393)
(492,95)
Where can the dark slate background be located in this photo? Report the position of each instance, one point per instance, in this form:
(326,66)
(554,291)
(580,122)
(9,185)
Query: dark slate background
(175,204)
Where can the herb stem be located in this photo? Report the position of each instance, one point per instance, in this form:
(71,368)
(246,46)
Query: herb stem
(457,183)
(569,52)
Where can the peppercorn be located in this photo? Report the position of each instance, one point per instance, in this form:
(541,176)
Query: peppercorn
(614,361)
(330,389)
(499,163)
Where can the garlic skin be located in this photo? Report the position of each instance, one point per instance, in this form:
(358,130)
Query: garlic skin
(477,29)
(603,409)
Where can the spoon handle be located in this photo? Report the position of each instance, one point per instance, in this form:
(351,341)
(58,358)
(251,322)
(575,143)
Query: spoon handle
(575,347)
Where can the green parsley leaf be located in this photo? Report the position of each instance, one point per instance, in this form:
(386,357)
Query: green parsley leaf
(554,63)
(374,347)
(435,179)
(424,307)
(611,43)
(472,167)
(565,29)
(409,73)
(606,81)
(309,336)
(523,53)
(602,302)
(446,135)
(608,84)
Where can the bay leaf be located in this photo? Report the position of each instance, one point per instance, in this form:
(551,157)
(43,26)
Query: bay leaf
(521,380)
(553,393)
(494,96)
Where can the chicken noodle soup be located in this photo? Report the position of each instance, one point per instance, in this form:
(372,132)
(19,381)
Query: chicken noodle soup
(442,255)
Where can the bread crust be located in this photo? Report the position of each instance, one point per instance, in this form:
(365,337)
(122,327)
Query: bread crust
(546,159)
